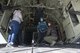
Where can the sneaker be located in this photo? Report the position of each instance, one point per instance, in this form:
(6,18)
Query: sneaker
(11,43)
(8,45)
(60,42)
(53,43)
(11,46)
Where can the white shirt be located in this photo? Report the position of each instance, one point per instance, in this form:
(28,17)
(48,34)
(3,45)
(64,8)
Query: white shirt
(17,16)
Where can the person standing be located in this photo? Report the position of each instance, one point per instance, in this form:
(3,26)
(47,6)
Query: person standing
(42,29)
(14,27)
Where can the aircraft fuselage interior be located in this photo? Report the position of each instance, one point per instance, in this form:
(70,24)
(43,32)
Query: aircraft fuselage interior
(32,11)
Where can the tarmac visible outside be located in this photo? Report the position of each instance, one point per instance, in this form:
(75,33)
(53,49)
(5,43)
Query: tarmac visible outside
(39,50)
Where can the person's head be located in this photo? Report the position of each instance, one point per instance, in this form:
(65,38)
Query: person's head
(49,24)
(41,19)
(17,11)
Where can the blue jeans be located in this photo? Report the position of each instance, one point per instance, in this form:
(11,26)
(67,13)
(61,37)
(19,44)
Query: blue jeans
(15,26)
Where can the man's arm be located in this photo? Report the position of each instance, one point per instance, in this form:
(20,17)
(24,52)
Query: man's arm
(21,18)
